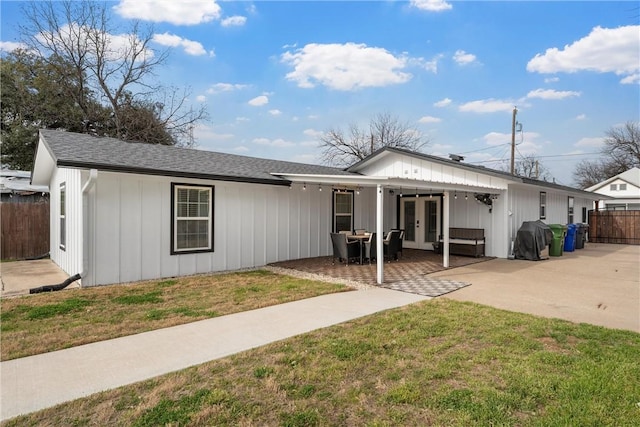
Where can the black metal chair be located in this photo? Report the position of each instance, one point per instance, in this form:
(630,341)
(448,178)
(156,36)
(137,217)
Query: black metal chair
(370,247)
(392,245)
(343,249)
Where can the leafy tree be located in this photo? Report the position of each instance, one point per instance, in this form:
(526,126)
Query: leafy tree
(344,149)
(116,69)
(35,95)
(621,152)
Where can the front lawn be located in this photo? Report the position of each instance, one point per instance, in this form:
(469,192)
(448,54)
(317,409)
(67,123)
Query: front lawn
(52,321)
(438,362)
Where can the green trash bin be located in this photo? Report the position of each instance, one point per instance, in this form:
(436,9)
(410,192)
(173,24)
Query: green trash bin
(559,232)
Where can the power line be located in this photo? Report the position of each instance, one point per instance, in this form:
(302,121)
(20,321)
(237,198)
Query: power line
(546,157)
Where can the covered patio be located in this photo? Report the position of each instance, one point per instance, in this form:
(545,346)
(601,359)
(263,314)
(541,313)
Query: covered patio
(410,273)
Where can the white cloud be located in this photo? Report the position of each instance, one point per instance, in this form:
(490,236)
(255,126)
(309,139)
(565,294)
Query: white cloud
(487,106)
(201,98)
(275,112)
(234,21)
(279,142)
(208,133)
(313,133)
(345,67)
(429,119)
(442,103)
(526,142)
(259,101)
(430,65)
(604,50)
(431,5)
(173,12)
(463,58)
(11,46)
(497,138)
(596,142)
(190,47)
(581,117)
(551,94)
(225,87)
(631,79)
(242,119)
(552,79)
(241,149)
(440,148)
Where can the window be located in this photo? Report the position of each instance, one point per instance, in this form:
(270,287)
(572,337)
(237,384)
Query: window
(543,205)
(622,187)
(570,210)
(613,187)
(584,215)
(192,218)
(63,216)
(342,210)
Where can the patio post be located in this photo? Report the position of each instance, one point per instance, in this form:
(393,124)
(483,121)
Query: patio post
(445,231)
(379,236)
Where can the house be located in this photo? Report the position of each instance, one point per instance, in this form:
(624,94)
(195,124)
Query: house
(123,211)
(15,186)
(622,191)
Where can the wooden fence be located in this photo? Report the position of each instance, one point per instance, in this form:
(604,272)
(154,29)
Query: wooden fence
(24,230)
(614,227)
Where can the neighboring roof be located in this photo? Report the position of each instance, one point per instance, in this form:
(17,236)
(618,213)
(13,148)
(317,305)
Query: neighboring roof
(70,149)
(474,168)
(19,182)
(631,176)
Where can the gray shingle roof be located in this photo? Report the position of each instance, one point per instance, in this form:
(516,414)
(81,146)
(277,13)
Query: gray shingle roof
(85,151)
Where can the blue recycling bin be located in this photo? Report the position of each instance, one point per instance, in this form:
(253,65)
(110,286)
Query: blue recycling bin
(570,239)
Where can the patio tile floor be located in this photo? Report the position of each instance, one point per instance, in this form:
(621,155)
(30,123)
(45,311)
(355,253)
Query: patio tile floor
(409,273)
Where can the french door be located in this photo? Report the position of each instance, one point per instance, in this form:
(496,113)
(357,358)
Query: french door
(420,219)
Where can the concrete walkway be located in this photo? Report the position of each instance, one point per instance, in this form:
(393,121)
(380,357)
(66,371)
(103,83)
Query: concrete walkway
(37,382)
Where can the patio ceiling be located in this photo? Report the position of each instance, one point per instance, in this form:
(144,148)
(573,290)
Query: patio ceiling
(387,182)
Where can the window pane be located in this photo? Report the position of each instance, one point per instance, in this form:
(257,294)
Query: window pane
(192,216)
(343,223)
(343,203)
(622,187)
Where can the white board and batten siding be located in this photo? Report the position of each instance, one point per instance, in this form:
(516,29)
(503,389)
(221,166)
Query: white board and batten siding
(68,258)
(396,165)
(254,224)
(524,205)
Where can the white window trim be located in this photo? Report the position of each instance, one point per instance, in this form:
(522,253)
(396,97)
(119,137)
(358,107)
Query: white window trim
(336,215)
(175,218)
(543,206)
(62,235)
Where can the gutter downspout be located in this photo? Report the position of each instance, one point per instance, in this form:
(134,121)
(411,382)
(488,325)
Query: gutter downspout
(91,182)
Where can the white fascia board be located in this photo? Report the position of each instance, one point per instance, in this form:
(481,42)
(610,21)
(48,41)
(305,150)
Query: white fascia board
(43,165)
(365,181)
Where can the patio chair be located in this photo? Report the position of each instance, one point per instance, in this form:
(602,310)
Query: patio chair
(343,249)
(370,247)
(360,231)
(392,244)
(400,244)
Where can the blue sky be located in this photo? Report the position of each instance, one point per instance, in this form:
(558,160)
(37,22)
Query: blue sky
(275,74)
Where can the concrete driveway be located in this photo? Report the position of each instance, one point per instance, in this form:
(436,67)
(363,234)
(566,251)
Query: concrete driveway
(599,285)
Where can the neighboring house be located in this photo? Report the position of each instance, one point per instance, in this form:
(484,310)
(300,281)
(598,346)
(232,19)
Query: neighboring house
(622,191)
(125,211)
(15,186)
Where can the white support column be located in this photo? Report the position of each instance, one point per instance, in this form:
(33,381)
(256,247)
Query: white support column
(445,230)
(379,236)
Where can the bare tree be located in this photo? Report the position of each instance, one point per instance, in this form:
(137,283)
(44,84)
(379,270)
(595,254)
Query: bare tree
(621,152)
(344,149)
(113,66)
(530,167)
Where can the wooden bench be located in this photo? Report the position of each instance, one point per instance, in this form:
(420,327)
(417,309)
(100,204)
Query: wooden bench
(464,241)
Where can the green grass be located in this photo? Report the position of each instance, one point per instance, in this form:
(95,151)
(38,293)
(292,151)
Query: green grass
(439,362)
(50,321)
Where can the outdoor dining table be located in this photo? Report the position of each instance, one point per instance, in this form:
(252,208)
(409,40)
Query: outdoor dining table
(362,238)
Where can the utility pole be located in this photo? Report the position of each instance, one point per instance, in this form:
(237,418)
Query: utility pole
(513,140)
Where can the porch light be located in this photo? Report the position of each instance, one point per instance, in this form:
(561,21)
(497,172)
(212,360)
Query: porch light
(465,196)
(455,196)
(319,187)
(304,186)
(400,191)
(417,195)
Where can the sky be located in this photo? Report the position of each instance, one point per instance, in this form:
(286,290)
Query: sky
(275,75)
